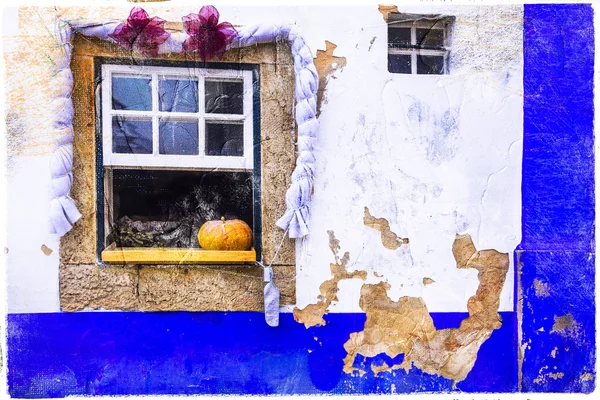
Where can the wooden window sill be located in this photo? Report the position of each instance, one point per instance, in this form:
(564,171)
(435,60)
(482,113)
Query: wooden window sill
(163,255)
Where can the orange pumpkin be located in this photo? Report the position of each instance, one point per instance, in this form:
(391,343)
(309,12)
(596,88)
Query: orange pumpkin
(224,234)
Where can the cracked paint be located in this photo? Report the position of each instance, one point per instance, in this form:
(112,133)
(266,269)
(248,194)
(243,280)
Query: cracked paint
(326,64)
(405,326)
(312,314)
(389,239)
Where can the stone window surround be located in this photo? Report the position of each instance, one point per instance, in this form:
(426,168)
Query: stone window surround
(87,284)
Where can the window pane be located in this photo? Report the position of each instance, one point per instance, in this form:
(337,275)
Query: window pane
(224,139)
(398,37)
(224,97)
(177,137)
(178,95)
(430,38)
(430,65)
(131,136)
(131,93)
(399,63)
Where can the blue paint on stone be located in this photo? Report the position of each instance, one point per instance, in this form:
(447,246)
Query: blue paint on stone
(60,354)
(558,154)
(558,247)
(569,280)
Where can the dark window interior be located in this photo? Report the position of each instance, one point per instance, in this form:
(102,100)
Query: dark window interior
(399,63)
(398,37)
(428,35)
(433,65)
(159,208)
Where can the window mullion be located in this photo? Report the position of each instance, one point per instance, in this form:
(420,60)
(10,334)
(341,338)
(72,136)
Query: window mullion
(413,56)
(155,119)
(201,118)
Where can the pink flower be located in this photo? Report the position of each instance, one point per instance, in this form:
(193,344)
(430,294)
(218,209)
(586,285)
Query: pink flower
(141,33)
(207,37)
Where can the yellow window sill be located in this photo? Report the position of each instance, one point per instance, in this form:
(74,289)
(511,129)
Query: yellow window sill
(163,255)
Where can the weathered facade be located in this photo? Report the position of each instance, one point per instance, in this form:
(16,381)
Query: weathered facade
(448,201)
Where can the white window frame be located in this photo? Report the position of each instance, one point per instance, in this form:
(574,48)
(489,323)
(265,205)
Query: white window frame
(414,52)
(164,161)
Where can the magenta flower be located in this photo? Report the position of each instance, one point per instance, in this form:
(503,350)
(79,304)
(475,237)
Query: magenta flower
(141,33)
(207,37)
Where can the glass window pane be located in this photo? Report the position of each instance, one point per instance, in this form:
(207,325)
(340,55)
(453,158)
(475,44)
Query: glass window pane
(131,136)
(430,38)
(178,95)
(178,137)
(399,63)
(224,139)
(131,93)
(430,65)
(224,97)
(398,37)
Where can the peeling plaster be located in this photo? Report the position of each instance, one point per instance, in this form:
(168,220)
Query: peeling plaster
(389,239)
(427,281)
(541,288)
(46,250)
(405,326)
(326,64)
(312,314)
(566,326)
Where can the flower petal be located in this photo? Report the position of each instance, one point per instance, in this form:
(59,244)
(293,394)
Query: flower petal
(191,23)
(210,15)
(138,18)
(124,35)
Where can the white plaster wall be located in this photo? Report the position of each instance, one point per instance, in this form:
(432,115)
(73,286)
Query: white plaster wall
(434,155)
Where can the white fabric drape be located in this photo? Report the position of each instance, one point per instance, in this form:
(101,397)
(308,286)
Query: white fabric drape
(64,213)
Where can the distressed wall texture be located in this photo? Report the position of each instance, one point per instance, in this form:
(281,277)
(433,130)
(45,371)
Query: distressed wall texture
(85,284)
(556,259)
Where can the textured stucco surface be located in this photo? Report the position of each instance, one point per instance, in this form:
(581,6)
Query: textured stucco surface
(165,288)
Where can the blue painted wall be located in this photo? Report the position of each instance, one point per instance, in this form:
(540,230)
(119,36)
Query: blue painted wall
(558,248)
(54,355)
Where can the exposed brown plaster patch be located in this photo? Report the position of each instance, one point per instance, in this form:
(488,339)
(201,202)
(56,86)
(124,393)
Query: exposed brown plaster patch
(377,274)
(389,239)
(553,352)
(555,376)
(587,377)
(566,326)
(463,249)
(406,326)
(427,281)
(385,10)
(391,326)
(312,314)
(377,369)
(541,288)
(46,250)
(326,64)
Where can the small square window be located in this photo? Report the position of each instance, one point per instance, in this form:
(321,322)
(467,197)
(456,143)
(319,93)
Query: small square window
(418,44)
(177,151)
